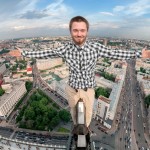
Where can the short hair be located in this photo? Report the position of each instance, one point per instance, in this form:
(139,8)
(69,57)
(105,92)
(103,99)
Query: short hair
(78,19)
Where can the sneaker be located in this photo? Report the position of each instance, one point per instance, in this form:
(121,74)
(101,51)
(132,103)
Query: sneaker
(89,130)
(75,137)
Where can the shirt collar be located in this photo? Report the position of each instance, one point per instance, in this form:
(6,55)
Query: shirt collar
(83,47)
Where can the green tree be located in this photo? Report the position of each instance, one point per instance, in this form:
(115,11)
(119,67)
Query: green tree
(28,85)
(1,91)
(142,70)
(29,124)
(101,91)
(51,113)
(29,114)
(55,121)
(55,105)
(147,101)
(44,101)
(19,118)
(34,104)
(45,120)
(64,115)
(42,108)
(22,124)
(38,96)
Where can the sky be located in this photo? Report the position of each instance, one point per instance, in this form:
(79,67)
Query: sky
(107,18)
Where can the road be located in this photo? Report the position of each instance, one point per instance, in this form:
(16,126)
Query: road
(130,132)
(123,134)
(138,119)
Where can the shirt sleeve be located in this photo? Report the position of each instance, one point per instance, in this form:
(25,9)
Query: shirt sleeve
(103,51)
(44,54)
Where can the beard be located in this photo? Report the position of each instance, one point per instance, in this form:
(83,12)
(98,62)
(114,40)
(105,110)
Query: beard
(79,40)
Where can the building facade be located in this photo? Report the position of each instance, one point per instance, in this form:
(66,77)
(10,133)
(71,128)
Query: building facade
(8,101)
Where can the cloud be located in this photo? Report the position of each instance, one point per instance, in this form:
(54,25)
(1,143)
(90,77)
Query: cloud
(19,27)
(139,8)
(119,8)
(34,15)
(105,25)
(28,17)
(107,13)
(55,9)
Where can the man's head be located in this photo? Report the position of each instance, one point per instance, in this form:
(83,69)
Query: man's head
(79,27)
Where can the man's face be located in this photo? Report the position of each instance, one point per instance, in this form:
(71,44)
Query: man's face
(79,32)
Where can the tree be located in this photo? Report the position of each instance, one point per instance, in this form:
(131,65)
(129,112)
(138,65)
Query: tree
(22,124)
(64,115)
(51,113)
(28,85)
(45,120)
(147,101)
(29,114)
(44,101)
(101,91)
(142,70)
(38,96)
(55,121)
(1,91)
(19,118)
(42,108)
(29,124)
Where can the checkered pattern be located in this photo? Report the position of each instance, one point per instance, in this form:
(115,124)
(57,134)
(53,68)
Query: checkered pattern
(82,60)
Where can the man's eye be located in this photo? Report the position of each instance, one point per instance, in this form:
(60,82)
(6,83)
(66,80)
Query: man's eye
(75,30)
(82,30)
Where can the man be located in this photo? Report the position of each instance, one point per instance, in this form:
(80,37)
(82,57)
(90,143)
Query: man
(81,56)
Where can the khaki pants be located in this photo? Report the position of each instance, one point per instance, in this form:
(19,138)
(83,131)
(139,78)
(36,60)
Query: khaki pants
(88,98)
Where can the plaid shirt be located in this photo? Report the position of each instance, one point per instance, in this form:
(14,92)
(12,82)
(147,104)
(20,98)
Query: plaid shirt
(82,60)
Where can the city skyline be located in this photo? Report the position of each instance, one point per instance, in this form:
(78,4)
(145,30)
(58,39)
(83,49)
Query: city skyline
(125,19)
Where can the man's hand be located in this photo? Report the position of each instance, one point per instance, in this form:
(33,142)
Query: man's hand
(145,53)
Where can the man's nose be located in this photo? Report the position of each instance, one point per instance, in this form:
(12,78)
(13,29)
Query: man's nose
(79,33)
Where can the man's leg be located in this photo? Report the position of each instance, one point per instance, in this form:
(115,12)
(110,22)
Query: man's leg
(72,100)
(88,98)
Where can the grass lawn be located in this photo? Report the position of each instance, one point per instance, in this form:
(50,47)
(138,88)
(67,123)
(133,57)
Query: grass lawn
(64,130)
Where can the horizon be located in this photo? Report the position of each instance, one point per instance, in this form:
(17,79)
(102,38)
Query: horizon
(128,19)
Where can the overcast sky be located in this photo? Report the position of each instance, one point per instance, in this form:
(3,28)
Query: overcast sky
(111,18)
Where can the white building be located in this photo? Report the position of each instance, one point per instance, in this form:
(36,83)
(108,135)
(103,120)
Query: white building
(106,108)
(103,105)
(13,144)
(102,82)
(8,101)
(60,87)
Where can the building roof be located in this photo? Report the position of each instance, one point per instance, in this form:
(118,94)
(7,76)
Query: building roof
(29,69)
(15,53)
(109,121)
(106,100)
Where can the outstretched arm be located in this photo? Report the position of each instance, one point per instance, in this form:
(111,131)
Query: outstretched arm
(145,53)
(104,51)
(58,52)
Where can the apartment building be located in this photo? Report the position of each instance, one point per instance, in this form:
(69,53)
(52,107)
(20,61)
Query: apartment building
(103,105)
(106,108)
(140,63)
(8,101)
(60,87)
